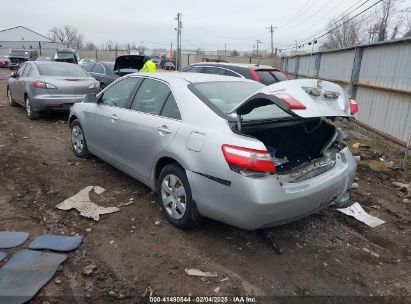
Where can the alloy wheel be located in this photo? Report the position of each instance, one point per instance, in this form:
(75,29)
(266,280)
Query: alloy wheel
(173,196)
(77,139)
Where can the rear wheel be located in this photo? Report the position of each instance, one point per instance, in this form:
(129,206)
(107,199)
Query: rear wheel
(174,196)
(31,114)
(78,141)
(11,101)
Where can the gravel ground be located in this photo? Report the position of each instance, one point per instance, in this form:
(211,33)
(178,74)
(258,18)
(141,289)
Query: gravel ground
(136,250)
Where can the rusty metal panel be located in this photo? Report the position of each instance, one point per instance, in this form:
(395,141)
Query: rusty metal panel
(307,66)
(387,66)
(337,66)
(387,112)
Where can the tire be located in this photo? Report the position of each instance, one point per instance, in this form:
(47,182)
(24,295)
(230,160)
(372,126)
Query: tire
(78,140)
(12,103)
(31,114)
(174,194)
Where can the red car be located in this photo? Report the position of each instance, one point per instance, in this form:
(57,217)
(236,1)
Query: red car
(4,62)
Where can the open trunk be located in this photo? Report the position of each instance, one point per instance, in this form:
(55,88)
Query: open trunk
(298,143)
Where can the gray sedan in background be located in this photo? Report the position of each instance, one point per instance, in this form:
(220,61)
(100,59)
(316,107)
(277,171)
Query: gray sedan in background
(225,148)
(49,86)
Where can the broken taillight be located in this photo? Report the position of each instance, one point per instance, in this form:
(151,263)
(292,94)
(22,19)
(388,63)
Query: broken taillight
(353,106)
(254,160)
(42,85)
(293,104)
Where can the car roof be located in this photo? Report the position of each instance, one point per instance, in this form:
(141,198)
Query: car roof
(52,63)
(243,65)
(191,77)
(66,50)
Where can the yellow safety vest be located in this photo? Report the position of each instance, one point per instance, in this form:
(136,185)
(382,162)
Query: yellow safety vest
(149,67)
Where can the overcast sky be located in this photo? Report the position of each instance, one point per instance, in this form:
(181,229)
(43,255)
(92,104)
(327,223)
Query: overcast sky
(206,24)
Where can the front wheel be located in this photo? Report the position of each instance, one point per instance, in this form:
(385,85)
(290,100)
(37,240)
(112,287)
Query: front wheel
(31,114)
(174,196)
(11,101)
(78,141)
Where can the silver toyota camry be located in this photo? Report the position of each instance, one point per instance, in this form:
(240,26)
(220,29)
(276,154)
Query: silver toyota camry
(49,86)
(220,147)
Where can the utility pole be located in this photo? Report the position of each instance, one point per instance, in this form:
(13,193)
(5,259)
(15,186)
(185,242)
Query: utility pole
(225,49)
(258,41)
(271,29)
(178,29)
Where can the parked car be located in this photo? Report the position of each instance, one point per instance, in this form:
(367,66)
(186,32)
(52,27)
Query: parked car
(43,58)
(262,73)
(164,61)
(230,149)
(102,71)
(127,64)
(169,66)
(85,61)
(67,55)
(19,56)
(52,86)
(4,62)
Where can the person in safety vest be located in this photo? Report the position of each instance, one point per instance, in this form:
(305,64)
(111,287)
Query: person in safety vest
(149,66)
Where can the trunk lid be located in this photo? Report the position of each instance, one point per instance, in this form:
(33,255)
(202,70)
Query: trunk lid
(305,98)
(127,64)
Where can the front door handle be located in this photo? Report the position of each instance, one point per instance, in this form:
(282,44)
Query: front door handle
(114,117)
(164,129)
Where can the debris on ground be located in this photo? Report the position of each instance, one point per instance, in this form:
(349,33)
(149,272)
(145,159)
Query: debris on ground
(56,242)
(157,222)
(360,145)
(403,187)
(148,292)
(26,273)
(222,280)
(81,202)
(406,201)
(127,203)
(89,269)
(9,239)
(371,252)
(267,236)
(355,186)
(199,273)
(357,212)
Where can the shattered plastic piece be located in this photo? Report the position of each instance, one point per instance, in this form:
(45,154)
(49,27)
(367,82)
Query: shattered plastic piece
(403,187)
(9,239)
(26,273)
(356,211)
(354,186)
(356,145)
(56,242)
(81,202)
(371,252)
(2,255)
(199,273)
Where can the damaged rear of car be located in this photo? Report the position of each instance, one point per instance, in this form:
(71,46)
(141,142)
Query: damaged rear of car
(289,159)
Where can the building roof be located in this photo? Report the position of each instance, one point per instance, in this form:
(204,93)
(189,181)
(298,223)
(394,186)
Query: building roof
(21,33)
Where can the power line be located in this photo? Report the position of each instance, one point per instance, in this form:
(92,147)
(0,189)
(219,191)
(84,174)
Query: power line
(296,15)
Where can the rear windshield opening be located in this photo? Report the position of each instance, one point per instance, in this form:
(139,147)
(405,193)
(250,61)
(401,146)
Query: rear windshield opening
(66,70)
(64,56)
(224,96)
(268,77)
(19,53)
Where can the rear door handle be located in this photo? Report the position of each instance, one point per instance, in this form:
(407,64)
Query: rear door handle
(164,129)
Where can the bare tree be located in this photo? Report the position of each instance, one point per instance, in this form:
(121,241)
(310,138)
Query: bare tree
(67,35)
(89,45)
(234,53)
(385,14)
(343,33)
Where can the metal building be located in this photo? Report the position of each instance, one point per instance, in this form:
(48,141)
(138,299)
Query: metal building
(20,37)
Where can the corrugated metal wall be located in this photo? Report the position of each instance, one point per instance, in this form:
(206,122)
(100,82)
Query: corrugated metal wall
(381,86)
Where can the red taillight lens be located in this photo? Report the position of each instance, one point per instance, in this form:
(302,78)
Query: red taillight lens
(293,104)
(254,160)
(254,74)
(353,106)
(39,85)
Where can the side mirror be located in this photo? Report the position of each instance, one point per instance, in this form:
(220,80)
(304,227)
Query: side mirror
(90,98)
(14,75)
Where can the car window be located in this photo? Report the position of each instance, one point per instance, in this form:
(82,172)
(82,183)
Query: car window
(150,97)
(266,77)
(118,95)
(20,71)
(170,109)
(194,69)
(230,73)
(214,70)
(98,68)
(61,69)
(27,71)
(89,67)
(280,76)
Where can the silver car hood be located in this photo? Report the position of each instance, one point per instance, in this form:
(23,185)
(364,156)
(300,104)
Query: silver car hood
(317,98)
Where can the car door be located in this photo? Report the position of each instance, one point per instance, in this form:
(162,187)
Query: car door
(148,127)
(17,87)
(102,118)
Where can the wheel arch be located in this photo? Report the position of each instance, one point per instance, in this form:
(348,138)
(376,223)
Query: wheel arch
(161,163)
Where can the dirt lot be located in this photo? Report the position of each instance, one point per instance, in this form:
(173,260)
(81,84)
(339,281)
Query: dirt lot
(322,255)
